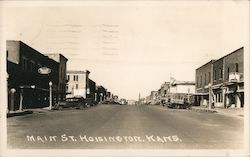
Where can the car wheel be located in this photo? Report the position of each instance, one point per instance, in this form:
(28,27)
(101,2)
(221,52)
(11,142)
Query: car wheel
(81,107)
(60,108)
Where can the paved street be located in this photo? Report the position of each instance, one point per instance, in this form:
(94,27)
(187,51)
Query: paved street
(114,126)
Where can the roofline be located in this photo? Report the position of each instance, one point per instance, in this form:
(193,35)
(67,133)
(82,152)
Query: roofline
(215,60)
(43,54)
(210,62)
(78,71)
(230,53)
(58,54)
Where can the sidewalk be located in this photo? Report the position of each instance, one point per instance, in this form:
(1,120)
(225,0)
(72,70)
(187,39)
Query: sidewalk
(232,112)
(28,111)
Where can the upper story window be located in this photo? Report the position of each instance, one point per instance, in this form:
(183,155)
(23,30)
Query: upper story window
(75,77)
(201,81)
(236,67)
(228,71)
(24,64)
(215,77)
(197,81)
(209,77)
(68,77)
(205,81)
(220,73)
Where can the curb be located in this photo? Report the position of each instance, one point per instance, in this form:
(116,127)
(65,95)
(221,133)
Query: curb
(18,113)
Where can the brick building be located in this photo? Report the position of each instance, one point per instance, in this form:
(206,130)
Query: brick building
(62,81)
(31,89)
(202,80)
(92,91)
(227,85)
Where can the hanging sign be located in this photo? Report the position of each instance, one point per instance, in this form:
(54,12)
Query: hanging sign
(44,70)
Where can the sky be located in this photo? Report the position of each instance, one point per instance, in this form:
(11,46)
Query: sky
(132,48)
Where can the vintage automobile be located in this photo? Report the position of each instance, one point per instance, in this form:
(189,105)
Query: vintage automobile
(179,100)
(74,102)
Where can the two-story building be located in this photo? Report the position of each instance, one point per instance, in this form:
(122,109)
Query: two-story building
(31,89)
(225,78)
(78,83)
(62,81)
(203,79)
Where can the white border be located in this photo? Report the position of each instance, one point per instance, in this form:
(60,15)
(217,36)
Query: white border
(115,152)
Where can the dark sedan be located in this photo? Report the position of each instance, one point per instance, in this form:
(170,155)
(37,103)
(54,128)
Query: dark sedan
(74,102)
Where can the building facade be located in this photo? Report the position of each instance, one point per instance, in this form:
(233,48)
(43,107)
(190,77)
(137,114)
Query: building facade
(26,86)
(62,81)
(78,83)
(203,78)
(182,87)
(92,91)
(223,79)
(101,93)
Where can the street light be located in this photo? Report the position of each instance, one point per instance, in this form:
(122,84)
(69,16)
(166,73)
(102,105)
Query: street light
(12,96)
(50,95)
(47,71)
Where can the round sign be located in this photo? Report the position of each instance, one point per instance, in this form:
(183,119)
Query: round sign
(44,70)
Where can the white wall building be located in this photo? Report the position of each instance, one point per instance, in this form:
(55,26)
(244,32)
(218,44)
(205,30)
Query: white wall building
(78,83)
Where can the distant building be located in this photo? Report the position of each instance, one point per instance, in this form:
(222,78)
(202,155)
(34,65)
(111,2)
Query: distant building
(31,89)
(182,87)
(101,93)
(225,77)
(163,91)
(153,97)
(92,92)
(78,83)
(131,102)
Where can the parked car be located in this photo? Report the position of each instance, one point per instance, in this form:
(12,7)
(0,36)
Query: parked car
(90,102)
(74,102)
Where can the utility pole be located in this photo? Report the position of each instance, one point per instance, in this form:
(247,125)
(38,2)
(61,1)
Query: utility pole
(210,96)
(210,88)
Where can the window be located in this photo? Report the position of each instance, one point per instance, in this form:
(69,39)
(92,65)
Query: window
(205,79)
(32,66)
(24,64)
(219,96)
(76,86)
(209,77)
(236,67)
(75,77)
(228,71)
(220,73)
(214,74)
(197,81)
(7,54)
(201,81)
(68,77)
